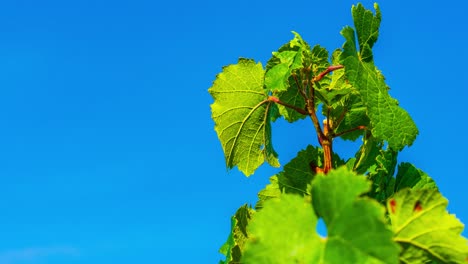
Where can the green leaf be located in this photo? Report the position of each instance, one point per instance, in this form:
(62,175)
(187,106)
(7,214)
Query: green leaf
(242,115)
(293,97)
(328,96)
(388,121)
(341,187)
(306,161)
(354,116)
(357,232)
(287,59)
(284,73)
(367,154)
(409,176)
(381,174)
(229,248)
(284,231)
(319,60)
(279,79)
(296,175)
(367,28)
(338,77)
(234,246)
(271,191)
(379,166)
(424,229)
(333,88)
(344,103)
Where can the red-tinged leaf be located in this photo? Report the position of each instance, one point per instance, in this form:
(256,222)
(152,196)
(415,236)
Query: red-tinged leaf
(424,228)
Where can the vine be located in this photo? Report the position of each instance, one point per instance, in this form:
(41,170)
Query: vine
(375,210)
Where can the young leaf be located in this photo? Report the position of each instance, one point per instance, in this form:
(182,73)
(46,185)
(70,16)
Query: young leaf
(288,58)
(234,246)
(279,79)
(284,231)
(242,115)
(319,60)
(332,89)
(389,122)
(288,72)
(343,103)
(367,29)
(424,229)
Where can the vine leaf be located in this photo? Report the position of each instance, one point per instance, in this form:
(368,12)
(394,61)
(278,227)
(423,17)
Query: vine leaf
(357,232)
(283,232)
(284,61)
(296,175)
(409,176)
(343,103)
(293,97)
(333,87)
(367,154)
(424,229)
(381,173)
(319,60)
(355,115)
(271,191)
(233,247)
(242,115)
(389,122)
(278,77)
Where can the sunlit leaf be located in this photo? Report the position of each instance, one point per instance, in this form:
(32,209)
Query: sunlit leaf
(409,176)
(284,231)
(241,112)
(424,228)
(388,120)
(233,247)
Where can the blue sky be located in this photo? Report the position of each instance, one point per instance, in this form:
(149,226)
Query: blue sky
(107,149)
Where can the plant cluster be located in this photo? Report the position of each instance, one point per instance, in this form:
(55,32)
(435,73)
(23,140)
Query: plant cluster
(375,210)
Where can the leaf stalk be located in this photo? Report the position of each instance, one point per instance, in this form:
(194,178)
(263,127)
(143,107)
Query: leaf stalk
(278,101)
(327,71)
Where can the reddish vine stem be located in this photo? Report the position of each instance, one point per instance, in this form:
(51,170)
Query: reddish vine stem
(327,71)
(278,101)
(325,137)
(313,116)
(327,146)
